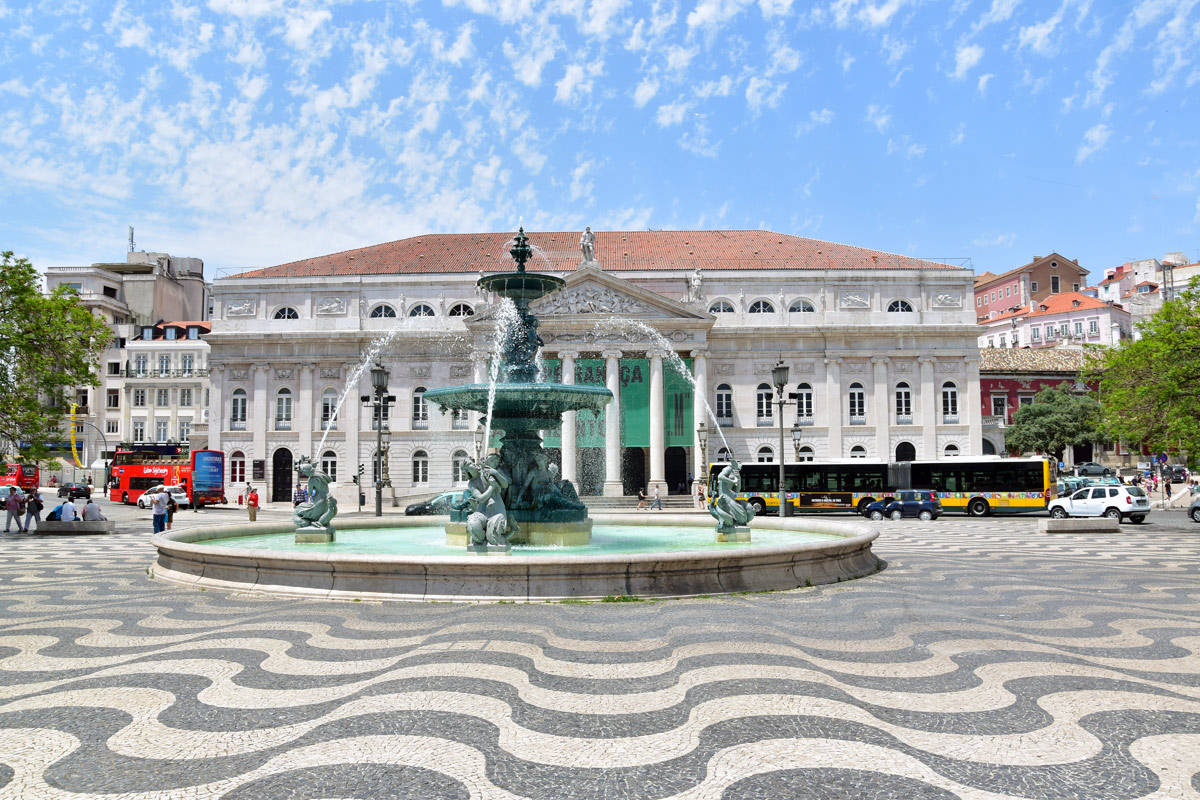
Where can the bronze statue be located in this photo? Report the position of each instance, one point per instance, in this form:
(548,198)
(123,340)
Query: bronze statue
(728,511)
(319,510)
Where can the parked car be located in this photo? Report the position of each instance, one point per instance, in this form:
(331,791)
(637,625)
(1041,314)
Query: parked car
(918,503)
(178,493)
(1176,473)
(1194,510)
(434,505)
(75,490)
(1092,468)
(1115,502)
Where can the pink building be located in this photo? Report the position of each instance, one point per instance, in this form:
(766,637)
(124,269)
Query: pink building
(1070,317)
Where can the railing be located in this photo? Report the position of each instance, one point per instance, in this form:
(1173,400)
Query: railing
(995,420)
(858,420)
(949,419)
(904,419)
(170,373)
(805,421)
(237,425)
(283,424)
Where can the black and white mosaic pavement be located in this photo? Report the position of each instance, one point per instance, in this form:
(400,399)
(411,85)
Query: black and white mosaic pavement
(986,661)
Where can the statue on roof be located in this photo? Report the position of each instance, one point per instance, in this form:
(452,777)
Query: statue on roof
(587,243)
(695,287)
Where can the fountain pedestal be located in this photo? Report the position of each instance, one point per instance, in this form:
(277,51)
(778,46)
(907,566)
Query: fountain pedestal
(314,536)
(740,533)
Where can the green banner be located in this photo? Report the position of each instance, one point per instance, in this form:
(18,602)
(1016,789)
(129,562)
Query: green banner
(677,406)
(635,402)
(589,427)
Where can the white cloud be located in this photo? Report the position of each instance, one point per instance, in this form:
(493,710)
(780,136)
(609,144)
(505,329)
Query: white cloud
(815,119)
(877,16)
(573,86)
(581,185)
(774,8)
(1000,11)
(1037,37)
(761,92)
(598,21)
(1096,137)
(998,240)
(781,58)
(714,14)
(807,188)
(717,88)
(678,58)
(965,58)
(300,25)
(895,48)
(960,134)
(646,89)
(983,82)
(671,113)
(879,117)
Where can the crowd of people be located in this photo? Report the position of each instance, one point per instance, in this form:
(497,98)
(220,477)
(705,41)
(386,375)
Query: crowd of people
(25,508)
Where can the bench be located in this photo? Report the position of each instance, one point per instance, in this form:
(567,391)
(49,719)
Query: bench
(102,526)
(1079,525)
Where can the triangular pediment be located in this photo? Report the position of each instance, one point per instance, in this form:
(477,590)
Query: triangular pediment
(590,292)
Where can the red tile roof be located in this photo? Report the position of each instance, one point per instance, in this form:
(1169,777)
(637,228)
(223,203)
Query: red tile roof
(1057,304)
(615,250)
(202,324)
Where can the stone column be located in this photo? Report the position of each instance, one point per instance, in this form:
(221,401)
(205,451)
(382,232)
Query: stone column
(258,412)
(974,407)
(216,406)
(833,405)
(927,407)
(304,415)
(699,413)
(612,426)
(882,396)
(569,454)
(657,425)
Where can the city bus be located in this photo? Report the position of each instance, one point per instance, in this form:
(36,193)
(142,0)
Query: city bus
(138,466)
(977,487)
(26,476)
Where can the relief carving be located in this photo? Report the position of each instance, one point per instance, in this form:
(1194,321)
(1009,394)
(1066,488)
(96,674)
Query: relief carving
(419,372)
(854,300)
(947,300)
(239,374)
(591,300)
(460,370)
(725,369)
(284,374)
(947,366)
(902,366)
(242,307)
(331,305)
(330,372)
(856,367)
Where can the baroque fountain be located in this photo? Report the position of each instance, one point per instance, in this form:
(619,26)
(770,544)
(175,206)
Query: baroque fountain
(517,506)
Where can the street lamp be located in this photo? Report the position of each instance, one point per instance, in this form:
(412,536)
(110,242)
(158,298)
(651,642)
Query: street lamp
(379,400)
(477,435)
(702,441)
(779,376)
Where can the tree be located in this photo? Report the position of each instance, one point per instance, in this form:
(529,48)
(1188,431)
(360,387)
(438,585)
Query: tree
(1055,420)
(1151,386)
(49,344)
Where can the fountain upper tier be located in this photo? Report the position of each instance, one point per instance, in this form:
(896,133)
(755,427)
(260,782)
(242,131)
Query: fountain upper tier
(542,403)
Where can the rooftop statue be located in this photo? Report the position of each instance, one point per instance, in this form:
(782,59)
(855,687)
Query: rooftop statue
(587,243)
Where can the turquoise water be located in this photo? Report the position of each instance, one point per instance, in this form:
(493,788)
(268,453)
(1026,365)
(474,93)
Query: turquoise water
(430,540)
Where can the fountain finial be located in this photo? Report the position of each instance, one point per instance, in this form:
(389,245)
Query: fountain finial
(521,251)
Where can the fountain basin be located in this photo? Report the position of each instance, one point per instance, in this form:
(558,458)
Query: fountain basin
(777,560)
(542,401)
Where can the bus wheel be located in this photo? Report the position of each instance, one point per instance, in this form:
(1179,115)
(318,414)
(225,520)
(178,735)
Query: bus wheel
(977,508)
(758,505)
(125,498)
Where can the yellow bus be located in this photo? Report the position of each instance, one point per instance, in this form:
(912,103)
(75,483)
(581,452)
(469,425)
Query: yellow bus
(977,487)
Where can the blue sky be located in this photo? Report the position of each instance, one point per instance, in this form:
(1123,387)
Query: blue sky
(252,132)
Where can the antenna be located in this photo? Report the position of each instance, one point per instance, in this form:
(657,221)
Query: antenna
(131,238)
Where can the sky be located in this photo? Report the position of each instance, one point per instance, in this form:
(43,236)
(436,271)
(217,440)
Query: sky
(254,132)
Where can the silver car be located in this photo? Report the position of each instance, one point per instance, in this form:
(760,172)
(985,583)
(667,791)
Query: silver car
(1117,502)
(178,494)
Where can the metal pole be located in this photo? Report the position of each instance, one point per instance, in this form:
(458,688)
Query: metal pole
(782,485)
(378,454)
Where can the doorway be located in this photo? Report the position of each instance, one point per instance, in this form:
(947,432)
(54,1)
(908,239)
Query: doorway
(906,452)
(633,469)
(676,469)
(281,476)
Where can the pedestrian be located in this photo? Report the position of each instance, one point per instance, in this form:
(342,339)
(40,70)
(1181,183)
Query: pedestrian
(13,503)
(33,510)
(657,499)
(91,512)
(700,500)
(641,506)
(67,511)
(1167,490)
(252,503)
(159,505)
(172,507)
(299,496)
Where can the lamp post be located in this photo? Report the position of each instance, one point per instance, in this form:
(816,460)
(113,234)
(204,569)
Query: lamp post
(379,399)
(796,432)
(779,376)
(702,440)
(477,435)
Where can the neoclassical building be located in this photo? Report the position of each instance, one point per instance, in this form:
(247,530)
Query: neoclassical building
(882,351)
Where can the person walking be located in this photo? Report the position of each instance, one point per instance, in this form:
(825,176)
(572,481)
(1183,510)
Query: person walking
(172,507)
(13,503)
(33,510)
(700,501)
(252,503)
(160,510)
(641,506)
(657,499)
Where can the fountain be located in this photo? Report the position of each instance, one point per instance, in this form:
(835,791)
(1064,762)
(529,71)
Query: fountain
(541,509)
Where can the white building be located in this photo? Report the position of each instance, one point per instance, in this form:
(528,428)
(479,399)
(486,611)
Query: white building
(882,352)
(160,393)
(1070,317)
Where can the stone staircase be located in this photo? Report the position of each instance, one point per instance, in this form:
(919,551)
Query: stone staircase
(674,502)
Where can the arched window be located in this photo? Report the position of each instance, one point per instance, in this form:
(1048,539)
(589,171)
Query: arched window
(329,464)
(283,410)
(762,307)
(721,307)
(806,453)
(762,403)
(906,452)
(461,310)
(237,468)
(857,398)
(802,306)
(421,310)
(287,312)
(899,305)
(766,455)
(420,409)
(951,451)
(858,451)
(723,455)
(329,399)
(383,311)
(804,404)
(237,410)
(949,402)
(903,404)
(458,463)
(724,402)
(989,449)
(420,465)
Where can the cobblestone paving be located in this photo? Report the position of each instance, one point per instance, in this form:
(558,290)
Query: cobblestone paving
(986,661)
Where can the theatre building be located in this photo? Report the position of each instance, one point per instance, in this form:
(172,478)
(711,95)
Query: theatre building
(881,350)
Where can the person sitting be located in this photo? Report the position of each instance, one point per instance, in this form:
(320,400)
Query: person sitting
(68,512)
(91,512)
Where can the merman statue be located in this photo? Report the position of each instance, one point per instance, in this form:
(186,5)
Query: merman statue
(319,510)
(728,511)
(483,499)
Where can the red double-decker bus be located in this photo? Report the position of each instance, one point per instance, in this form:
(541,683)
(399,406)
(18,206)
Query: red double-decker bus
(138,466)
(26,476)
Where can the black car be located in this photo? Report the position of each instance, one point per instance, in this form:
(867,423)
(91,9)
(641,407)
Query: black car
(1177,473)
(1092,468)
(434,505)
(919,503)
(74,491)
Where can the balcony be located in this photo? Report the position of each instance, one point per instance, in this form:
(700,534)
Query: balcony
(856,420)
(765,422)
(237,425)
(725,422)
(805,422)
(949,419)
(170,373)
(995,421)
(904,419)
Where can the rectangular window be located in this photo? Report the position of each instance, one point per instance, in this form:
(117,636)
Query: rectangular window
(1033,286)
(139,398)
(904,404)
(1025,400)
(161,430)
(1008,291)
(1063,330)
(148,333)
(140,365)
(1075,287)
(164,365)
(185,429)
(193,332)
(999,405)
(114,368)
(978,302)
(283,411)
(139,430)
(112,398)
(110,291)
(1079,329)
(168,333)
(328,407)
(1036,334)
(186,363)
(1053,284)
(1049,332)
(724,403)
(162,397)
(112,426)
(1093,326)
(804,405)
(858,405)
(185,398)
(1003,340)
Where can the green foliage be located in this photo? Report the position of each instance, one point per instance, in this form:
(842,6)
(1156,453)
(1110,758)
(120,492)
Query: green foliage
(1055,420)
(1151,387)
(49,345)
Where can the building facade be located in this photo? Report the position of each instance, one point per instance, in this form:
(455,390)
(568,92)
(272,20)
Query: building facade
(1070,317)
(881,348)
(1042,277)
